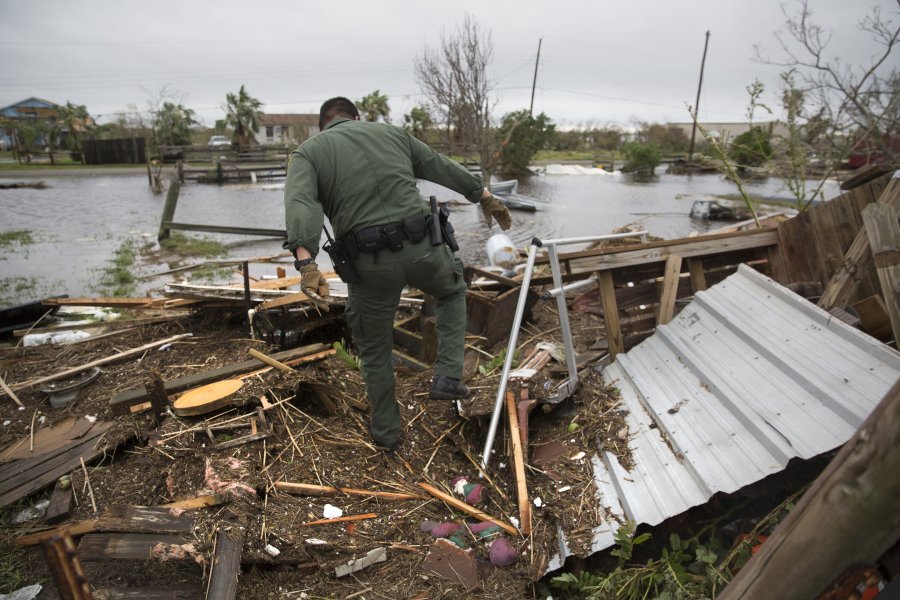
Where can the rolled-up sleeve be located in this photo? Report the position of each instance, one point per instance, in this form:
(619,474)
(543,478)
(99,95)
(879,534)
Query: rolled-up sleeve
(302,209)
(437,168)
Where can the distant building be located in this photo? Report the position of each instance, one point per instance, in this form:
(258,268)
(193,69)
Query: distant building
(731,130)
(31,109)
(290,129)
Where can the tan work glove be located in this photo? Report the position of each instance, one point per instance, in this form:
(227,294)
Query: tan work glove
(314,285)
(493,209)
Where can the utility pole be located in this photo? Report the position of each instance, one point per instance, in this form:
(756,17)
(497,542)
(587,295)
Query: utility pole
(697,103)
(534,81)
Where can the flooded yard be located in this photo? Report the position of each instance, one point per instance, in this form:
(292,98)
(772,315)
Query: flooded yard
(76,224)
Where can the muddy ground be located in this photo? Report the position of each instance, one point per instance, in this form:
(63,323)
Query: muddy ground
(152,465)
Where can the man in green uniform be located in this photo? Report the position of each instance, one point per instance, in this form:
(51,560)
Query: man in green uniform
(363,177)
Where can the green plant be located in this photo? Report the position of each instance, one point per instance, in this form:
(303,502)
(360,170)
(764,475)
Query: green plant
(641,159)
(192,246)
(522,136)
(751,148)
(118,278)
(351,360)
(497,361)
(21,237)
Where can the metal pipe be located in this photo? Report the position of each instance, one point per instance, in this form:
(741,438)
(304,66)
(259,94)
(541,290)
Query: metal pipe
(510,352)
(570,287)
(564,326)
(595,238)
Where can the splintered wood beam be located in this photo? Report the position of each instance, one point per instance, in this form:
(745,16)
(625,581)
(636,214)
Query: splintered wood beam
(610,313)
(698,276)
(310,489)
(99,362)
(669,290)
(467,508)
(518,458)
(226,564)
(884,239)
(269,360)
(361,517)
(843,283)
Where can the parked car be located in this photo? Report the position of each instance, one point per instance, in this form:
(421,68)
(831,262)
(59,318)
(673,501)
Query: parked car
(218,141)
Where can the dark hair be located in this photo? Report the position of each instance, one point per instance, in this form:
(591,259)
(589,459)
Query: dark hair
(334,107)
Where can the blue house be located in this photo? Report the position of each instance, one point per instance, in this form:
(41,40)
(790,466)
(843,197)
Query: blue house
(32,109)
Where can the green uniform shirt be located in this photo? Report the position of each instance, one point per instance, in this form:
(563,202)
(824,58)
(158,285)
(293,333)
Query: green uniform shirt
(362,174)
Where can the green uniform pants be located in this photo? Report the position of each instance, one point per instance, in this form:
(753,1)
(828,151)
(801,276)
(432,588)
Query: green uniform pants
(371,310)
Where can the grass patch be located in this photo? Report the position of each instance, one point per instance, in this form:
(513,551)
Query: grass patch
(13,289)
(184,245)
(118,280)
(21,237)
(211,273)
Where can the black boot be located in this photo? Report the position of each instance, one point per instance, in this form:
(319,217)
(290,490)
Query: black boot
(448,388)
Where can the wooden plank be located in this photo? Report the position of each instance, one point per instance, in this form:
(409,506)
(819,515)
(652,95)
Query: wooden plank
(409,342)
(99,362)
(121,402)
(848,221)
(862,197)
(310,489)
(283,301)
(408,361)
(698,277)
(111,302)
(669,289)
(843,285)
(257,232)
(884,239)
(44,473)
(827,240)
(246,439)
(840,521)
(180,592)
(604,259)
(471,510)
(226,565)
(270,361)
(873,316)
(60,503)
(511,283)
(610,313)
(518,460)
(124,546)
(791,244)
(143,519)
(199,502)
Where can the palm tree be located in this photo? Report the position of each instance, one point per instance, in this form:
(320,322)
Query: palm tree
(373,106)
(242,114)
(76,121)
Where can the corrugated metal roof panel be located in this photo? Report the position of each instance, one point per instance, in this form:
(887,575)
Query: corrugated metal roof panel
(748,376)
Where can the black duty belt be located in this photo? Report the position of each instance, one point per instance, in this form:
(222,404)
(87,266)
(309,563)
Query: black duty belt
(386,236)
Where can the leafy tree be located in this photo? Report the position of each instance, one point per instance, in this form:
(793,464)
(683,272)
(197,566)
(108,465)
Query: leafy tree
(76,120)
(641,159)
(373,106)
(418,121)
(668,138)
(751,148)
(522,135)
(242,115)
(454,79)
(858,105)
(172,125)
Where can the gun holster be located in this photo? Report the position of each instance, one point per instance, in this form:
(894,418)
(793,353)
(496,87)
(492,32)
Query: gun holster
(447,229)
(343,266)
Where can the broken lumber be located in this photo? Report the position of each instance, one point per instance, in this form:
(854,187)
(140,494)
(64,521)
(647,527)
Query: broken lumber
(669,289)
(880,222)
(198,502)
(125,546)
(466,508)
(327,490)
(518,459)
(206,398)
(361,517)
(10,393)
(120,519)
(59,552)
(843,283)
(246,439)
(99,362)
(269,360)
(226,564)
(842,520)
(123,401)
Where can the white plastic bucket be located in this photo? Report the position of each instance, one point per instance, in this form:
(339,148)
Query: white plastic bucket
(501,251)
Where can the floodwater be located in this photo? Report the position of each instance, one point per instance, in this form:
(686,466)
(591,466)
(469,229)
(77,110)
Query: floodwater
(77,223)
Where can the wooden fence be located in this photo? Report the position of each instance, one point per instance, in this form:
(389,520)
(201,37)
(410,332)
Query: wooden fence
(641,286)
(118,151)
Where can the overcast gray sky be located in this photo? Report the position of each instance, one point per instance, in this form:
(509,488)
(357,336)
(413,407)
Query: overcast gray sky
(602,61)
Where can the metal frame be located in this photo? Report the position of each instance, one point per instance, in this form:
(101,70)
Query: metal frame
(568,387)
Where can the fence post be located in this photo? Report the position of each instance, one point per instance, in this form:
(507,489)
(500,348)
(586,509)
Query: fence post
(169,209)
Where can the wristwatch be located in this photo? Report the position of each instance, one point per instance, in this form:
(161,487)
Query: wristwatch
(301,263)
